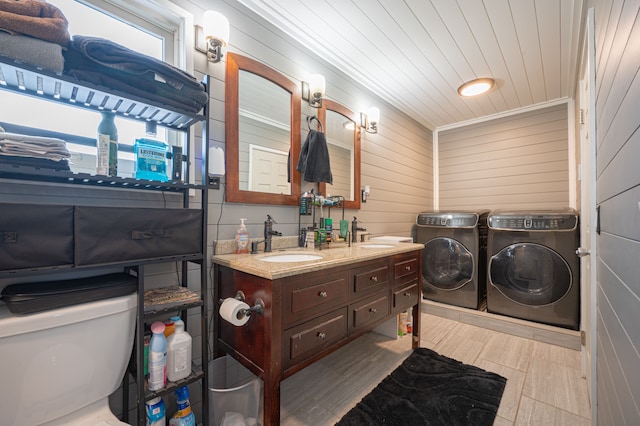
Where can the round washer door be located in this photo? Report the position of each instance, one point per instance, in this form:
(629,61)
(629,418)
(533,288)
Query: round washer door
(530,274)
(446,264)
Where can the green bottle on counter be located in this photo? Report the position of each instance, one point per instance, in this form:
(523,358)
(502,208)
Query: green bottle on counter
(107,145)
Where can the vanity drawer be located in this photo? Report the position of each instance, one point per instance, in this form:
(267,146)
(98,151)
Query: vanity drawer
(369,311)
(405,270)
(369,278)
(313,294)
(312,337)
(404,297)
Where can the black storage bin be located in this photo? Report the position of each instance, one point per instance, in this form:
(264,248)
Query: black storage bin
(35,236)
(114,234)
(28,298)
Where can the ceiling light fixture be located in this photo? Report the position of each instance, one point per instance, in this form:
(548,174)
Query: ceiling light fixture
(215,34)
(476,87)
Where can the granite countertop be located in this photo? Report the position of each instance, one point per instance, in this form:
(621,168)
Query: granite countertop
(336,255)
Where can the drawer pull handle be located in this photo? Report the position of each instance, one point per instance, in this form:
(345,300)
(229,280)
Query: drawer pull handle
(322,294)
(407,294)
(373,310)
(407,268)
(321,335)
(374,279)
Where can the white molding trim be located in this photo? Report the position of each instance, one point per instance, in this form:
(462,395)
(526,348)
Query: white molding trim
(509,113)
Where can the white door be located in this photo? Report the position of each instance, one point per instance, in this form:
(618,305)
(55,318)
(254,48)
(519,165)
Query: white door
(268,170)
(588,213)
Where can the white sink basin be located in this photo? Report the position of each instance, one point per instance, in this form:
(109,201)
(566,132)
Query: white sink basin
(290,257)
(376,246)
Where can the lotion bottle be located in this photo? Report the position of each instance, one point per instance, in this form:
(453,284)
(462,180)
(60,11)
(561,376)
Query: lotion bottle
(242,238)
(179,353)
(157,357)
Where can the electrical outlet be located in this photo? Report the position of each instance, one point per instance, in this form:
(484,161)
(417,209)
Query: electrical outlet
(214,182)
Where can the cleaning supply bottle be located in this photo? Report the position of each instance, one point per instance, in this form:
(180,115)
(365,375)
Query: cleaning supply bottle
(157,357)
(156,412)
(178,353)
(169,327)
(107,145)
(242,238)
(151,155)
(184,416)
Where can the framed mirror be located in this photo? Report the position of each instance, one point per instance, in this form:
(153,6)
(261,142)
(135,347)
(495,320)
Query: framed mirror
(262,134)
(342,131)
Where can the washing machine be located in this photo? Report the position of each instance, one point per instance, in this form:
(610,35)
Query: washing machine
(533,270)
(454,256)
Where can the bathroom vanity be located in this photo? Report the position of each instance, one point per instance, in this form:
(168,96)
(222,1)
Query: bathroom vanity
(312,307)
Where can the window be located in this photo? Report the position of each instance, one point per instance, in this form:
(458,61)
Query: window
(109,20)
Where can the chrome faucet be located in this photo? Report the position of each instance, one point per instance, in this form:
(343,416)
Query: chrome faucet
(268,233)
(354,230)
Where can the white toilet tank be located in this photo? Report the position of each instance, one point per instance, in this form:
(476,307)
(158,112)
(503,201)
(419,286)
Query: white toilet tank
(60,361)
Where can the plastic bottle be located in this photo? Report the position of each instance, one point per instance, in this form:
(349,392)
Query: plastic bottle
(242,238)
(179,353)
(157,357)
(151,155)
(184,416)
(156,412)
(107,145)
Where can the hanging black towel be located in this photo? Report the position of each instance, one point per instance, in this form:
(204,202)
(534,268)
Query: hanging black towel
(314,156)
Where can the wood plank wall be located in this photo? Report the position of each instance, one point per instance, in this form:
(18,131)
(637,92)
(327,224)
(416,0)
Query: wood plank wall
(514,162)
(397,162)
(617,31)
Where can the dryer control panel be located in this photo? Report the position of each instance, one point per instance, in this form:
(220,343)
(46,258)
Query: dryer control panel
(546,222)
(458,220)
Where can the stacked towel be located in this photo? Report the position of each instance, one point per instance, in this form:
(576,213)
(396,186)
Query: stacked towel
(35,151)
(32,51)
(34,18)
(111,65)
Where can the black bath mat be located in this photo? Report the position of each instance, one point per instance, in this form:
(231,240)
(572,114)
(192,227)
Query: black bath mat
(430,389)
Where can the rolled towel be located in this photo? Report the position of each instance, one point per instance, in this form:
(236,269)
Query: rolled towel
(36,19)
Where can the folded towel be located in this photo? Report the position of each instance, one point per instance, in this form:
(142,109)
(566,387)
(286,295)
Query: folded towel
(33,51)
(38,163)
(34,18)
(133,73)
(14,144)
(118,57)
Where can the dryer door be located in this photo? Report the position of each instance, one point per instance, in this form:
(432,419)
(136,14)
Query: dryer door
(446,264)
(530,274)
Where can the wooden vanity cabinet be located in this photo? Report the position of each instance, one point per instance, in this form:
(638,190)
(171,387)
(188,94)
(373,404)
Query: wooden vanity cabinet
(309,315)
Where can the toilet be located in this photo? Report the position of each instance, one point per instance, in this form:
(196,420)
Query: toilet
(58,367)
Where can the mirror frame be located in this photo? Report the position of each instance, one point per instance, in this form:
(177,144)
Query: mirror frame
(330,105)
(233,194)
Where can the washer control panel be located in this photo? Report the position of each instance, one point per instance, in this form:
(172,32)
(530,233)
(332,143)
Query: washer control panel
(542,222)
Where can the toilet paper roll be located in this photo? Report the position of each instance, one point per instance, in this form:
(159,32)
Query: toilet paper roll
(229,311)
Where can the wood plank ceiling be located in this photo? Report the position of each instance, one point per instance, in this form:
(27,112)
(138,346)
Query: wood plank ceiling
(416,53)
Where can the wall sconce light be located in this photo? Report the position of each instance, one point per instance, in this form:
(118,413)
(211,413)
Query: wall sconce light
(365,193)
(370,120)
(213,35)
(476,87)
(314,90)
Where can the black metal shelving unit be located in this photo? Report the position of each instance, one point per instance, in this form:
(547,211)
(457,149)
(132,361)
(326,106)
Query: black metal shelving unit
(30,81)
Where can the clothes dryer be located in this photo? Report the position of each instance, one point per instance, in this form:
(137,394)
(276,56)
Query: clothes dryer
(454,256)
(533,269)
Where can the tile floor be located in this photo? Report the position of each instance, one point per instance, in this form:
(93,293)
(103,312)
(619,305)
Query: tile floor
(544,384)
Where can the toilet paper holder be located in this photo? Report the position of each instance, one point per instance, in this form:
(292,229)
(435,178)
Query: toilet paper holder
(257,308)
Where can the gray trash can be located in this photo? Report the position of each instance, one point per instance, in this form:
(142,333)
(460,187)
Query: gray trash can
(234,393)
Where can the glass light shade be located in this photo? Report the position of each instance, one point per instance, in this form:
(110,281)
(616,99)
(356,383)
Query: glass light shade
(216,26)
(373,115)
(316,84)
(476,87)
